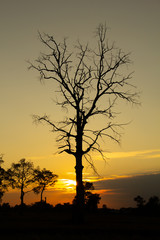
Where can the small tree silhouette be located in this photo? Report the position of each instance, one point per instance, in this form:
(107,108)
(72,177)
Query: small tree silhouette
(153,203)
(91,199)
(3,179)
(43,179)
(21,176)
(140,201)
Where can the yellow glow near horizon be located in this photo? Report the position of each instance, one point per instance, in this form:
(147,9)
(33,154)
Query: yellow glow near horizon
(65,185)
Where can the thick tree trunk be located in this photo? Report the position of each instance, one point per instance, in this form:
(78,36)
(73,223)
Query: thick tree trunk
(79,182)
(79,178)
(79,207)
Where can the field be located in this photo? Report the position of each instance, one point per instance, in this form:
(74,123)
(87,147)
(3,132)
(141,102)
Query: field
(59,225)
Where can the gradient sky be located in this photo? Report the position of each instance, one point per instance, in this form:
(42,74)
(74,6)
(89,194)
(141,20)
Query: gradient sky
(134,26)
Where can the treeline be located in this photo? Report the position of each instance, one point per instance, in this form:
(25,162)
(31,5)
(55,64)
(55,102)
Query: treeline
(152,206)
(25,177)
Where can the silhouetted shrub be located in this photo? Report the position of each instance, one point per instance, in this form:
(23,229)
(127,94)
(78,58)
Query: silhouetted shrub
(153,205)
(5,206)
(41,206)
(63,207)
(92,201)
(140,201)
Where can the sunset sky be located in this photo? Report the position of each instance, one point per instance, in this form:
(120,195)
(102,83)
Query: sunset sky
(131,169)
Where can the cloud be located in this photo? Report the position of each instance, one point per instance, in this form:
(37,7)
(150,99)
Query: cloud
(123,189)
(152,153)
(144,181)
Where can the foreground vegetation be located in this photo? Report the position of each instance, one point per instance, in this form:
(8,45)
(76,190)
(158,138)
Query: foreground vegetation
(43,221)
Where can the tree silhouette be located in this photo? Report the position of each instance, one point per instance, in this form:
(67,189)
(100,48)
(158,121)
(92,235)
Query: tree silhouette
(43,179)
(91,199)
(140,201)
(89,82)
(87,186)
(153,204)
(21,176)
(3,179)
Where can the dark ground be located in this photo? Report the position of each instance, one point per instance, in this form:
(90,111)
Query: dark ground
(101,225)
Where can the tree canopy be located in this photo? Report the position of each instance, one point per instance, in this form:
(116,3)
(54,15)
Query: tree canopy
(43,179)
(21,176)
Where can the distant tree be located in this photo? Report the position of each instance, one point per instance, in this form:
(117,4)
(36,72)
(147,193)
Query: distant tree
(21,176)
(1,159)
(5,206)
(90,84)
(104,206)
(43,179)
(91,199)
(41,206)
(88,187)
(153,203)
(140,201)
(3,179)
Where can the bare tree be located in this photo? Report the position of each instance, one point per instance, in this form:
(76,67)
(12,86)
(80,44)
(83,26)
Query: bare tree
(90,82)
(43,179)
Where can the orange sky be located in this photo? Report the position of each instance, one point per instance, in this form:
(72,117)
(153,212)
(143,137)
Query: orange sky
(134,26)
(115,192)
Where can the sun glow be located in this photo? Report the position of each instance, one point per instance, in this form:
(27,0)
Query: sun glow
(69,183)
(66,185)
